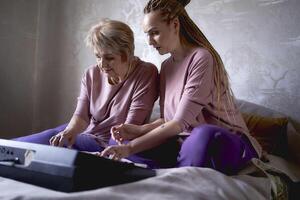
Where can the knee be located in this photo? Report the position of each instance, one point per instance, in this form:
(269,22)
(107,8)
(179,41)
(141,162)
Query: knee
(200,137)
(205,129)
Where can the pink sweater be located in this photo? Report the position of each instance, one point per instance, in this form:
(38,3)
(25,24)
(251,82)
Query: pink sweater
(103,105)
(189,95)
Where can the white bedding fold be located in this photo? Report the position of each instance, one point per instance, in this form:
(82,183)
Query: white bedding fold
(176,183)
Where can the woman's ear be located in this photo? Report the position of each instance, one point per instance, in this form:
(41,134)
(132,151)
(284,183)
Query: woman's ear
(176,24)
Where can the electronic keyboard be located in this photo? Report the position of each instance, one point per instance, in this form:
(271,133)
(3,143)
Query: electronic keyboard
(64,169)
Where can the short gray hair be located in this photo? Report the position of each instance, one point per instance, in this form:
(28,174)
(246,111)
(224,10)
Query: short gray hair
(112,34)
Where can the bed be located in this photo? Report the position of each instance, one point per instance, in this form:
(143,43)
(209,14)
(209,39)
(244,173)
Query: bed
(261,180)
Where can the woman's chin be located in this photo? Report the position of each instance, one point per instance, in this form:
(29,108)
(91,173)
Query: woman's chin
(108,72)
(161,52)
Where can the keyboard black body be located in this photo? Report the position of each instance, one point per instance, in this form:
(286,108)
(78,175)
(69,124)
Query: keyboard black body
(65,169)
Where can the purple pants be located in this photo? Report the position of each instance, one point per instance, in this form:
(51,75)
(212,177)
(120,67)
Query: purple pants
(83,141)
(207,146)
(215,147)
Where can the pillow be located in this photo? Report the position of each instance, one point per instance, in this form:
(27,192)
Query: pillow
(271,133)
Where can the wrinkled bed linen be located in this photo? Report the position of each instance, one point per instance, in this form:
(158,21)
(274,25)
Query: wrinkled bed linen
(176,183)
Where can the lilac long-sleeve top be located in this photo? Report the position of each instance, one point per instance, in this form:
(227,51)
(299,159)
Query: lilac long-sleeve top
(103,105)
(188,95)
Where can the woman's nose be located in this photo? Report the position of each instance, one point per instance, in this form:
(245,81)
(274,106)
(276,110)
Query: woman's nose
(100,63)
(150,40)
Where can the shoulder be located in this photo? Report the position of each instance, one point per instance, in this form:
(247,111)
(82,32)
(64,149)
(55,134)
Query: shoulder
(200,59)
(146,68)
(91,70)
(200,53)
(91,74)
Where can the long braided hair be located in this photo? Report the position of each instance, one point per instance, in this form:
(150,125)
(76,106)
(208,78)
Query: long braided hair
(191,34)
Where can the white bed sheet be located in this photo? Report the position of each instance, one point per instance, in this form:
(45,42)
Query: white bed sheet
(177,184)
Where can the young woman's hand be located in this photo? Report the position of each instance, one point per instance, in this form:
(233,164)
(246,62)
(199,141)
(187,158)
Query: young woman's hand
(64,137)
(123,132)
(116,152)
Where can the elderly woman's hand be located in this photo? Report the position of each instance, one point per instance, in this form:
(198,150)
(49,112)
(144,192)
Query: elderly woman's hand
(64,137)
(116,152)
(123,132)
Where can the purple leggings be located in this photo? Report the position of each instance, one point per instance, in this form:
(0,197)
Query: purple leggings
(83,142)
(215,147)
(207,146)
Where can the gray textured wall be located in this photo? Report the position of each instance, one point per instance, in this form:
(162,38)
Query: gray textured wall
(18,23)
(43,55)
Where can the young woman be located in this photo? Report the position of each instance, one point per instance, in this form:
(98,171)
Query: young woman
(120,88)
(195,98)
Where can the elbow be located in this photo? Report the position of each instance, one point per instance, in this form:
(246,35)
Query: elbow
(176,127)
(161,120)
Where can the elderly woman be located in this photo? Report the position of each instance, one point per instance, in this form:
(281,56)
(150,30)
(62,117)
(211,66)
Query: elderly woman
(120,88)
